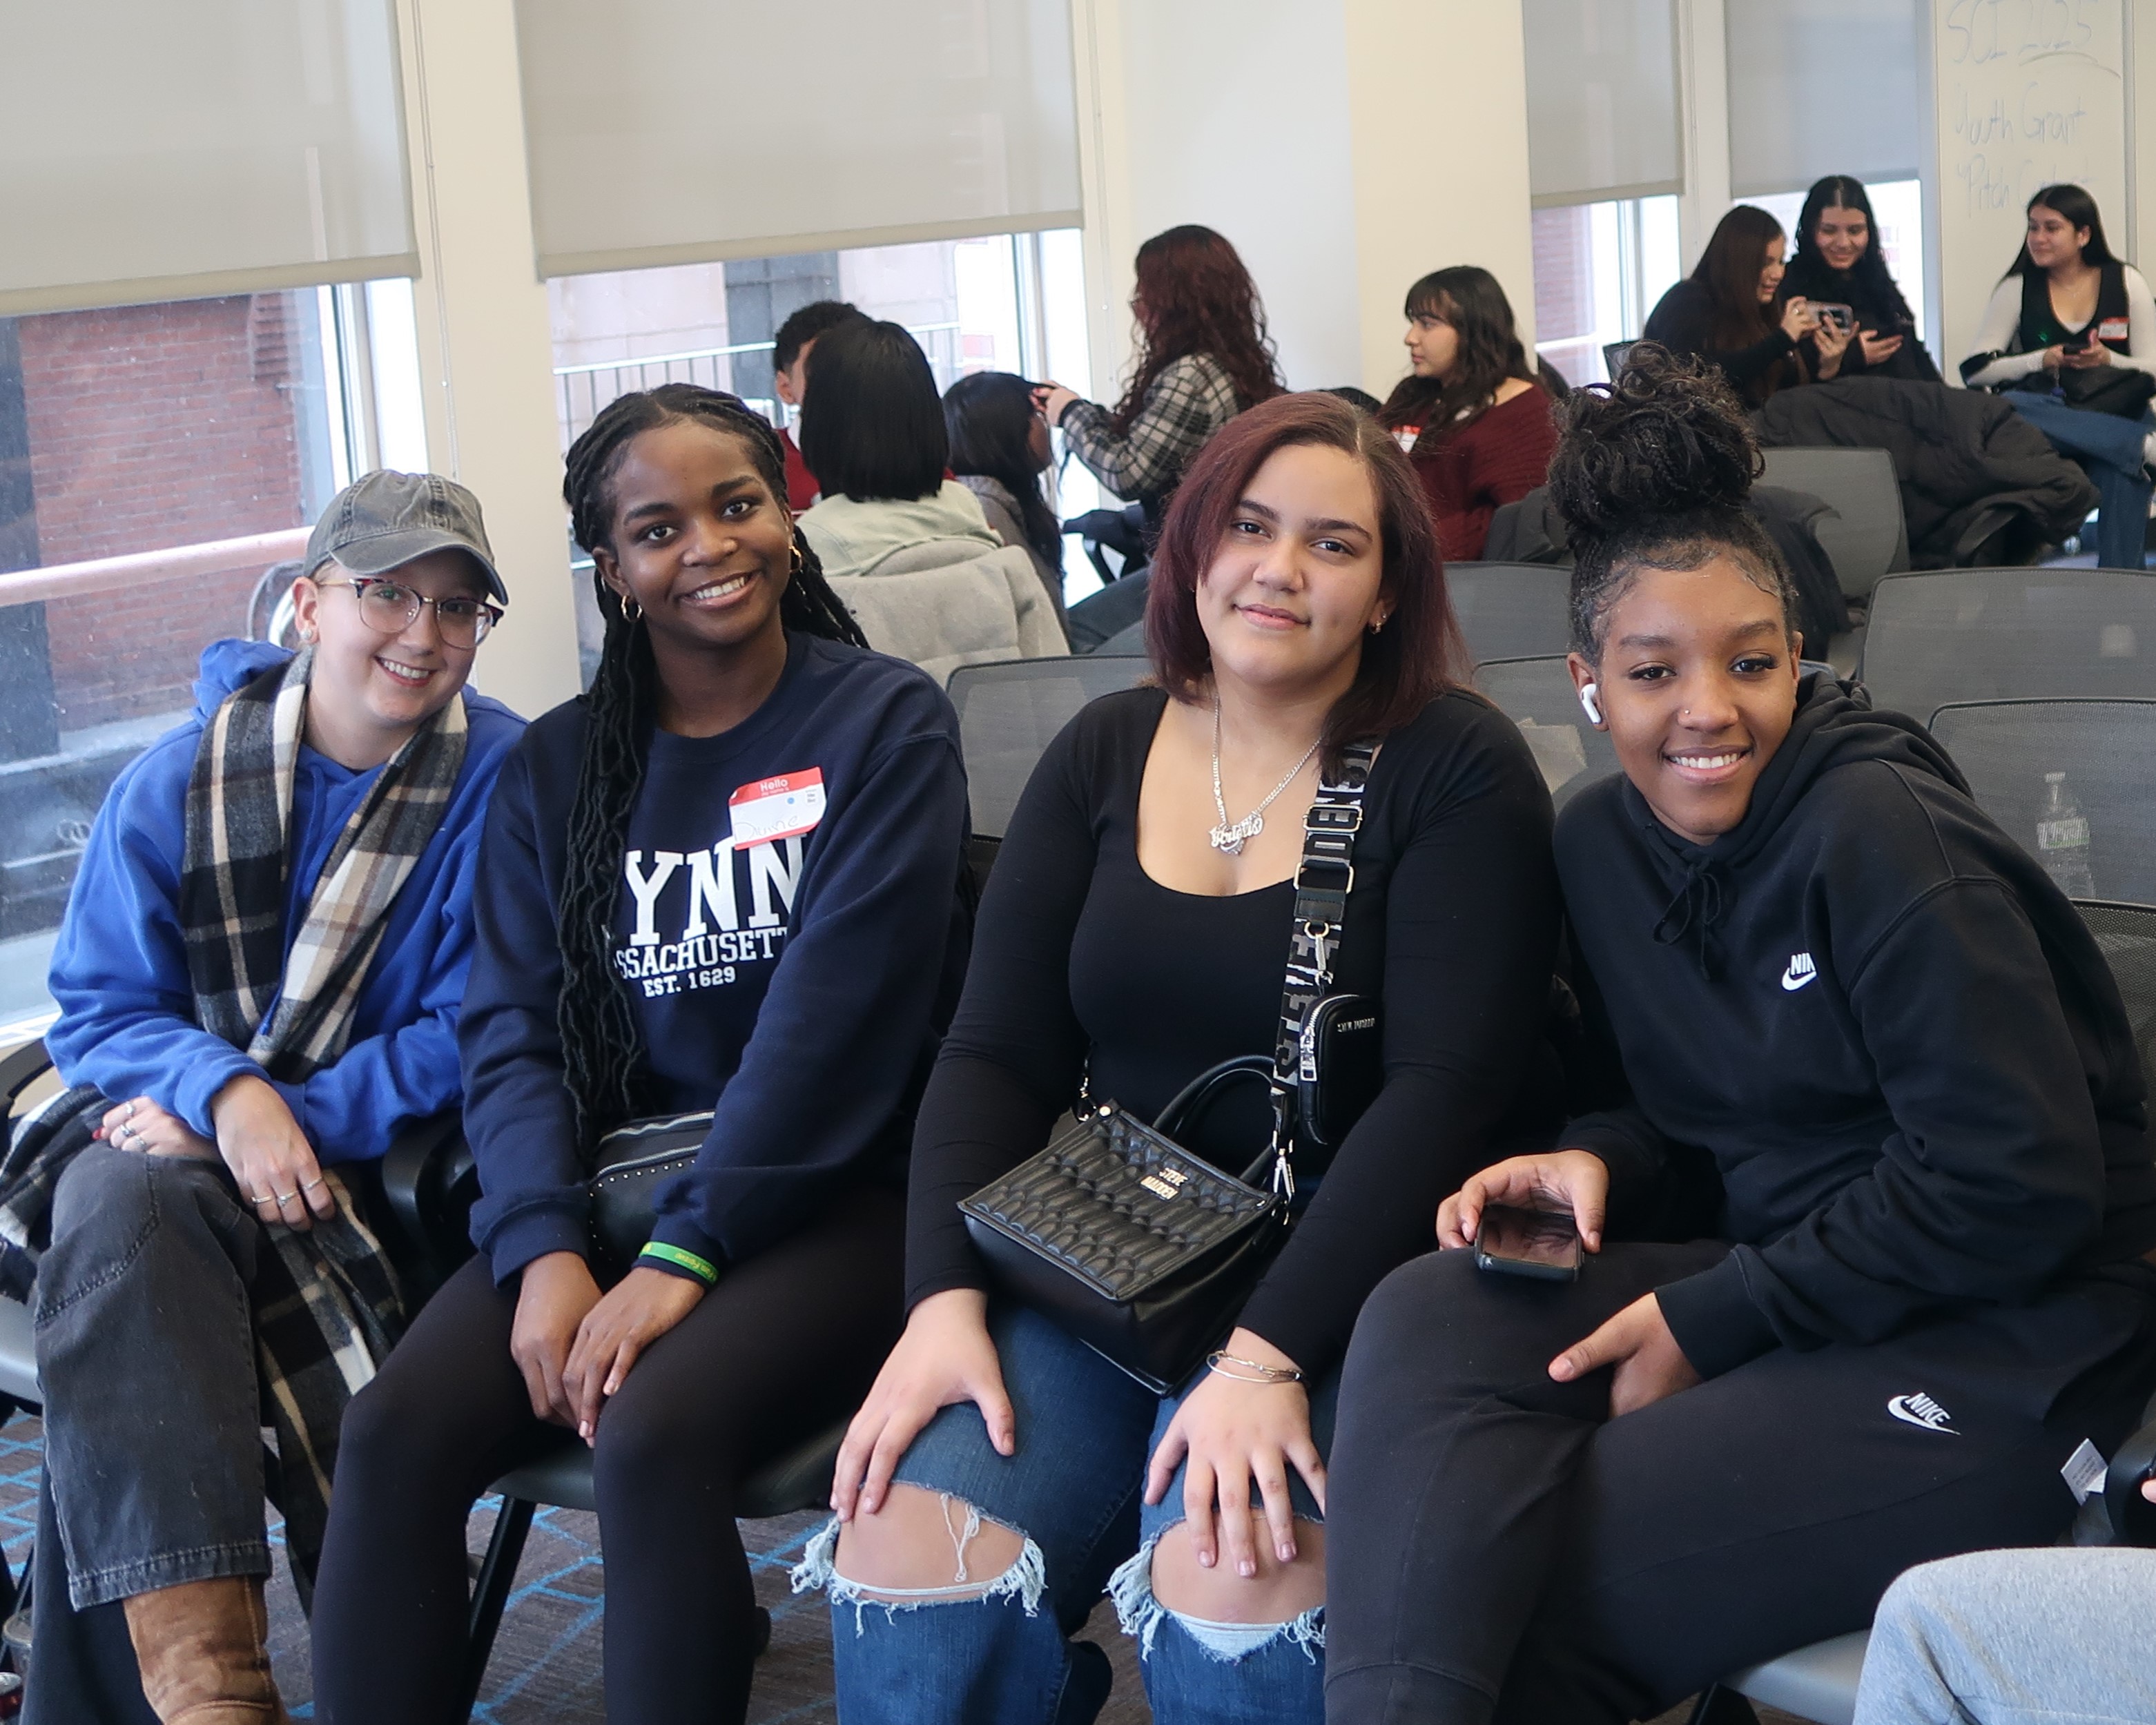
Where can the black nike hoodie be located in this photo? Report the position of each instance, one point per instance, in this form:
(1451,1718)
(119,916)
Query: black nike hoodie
(1892,1034)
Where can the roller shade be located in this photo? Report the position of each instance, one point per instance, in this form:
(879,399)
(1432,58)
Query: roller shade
(174,149)
(1602,101)
(1819,87)
(677,131)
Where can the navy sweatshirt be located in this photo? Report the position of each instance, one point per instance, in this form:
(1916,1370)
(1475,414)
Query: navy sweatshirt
(791,985)
(1895,1038)
(119,968)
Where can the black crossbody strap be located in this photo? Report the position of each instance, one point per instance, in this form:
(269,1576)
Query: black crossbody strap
(1323,880)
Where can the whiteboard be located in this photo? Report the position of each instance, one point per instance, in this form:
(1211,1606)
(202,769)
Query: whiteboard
(2030,92)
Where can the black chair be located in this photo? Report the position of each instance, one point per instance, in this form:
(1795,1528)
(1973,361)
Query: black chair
(1510,610)
(1537,695)
(1818,1682)
(1008,713)
(1991,635)
(2105,749)
(1865,537)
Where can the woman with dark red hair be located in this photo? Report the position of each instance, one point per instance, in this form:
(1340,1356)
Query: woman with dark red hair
(1001,1474)
(1205,357)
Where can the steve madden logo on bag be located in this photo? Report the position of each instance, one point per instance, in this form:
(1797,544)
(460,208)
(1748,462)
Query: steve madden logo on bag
(1164,1182)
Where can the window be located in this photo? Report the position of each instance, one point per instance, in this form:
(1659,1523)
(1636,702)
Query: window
(1599,268)
(1008,302)
(156,433)
(1899,206)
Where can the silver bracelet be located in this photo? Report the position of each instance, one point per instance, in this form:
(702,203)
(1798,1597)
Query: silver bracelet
(1255,1372)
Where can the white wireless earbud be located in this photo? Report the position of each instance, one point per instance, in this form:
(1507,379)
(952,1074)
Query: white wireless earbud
(1588,704)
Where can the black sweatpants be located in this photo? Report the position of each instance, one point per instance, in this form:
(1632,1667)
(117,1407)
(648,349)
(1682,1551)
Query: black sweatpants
(787,1344)
(1497,1547)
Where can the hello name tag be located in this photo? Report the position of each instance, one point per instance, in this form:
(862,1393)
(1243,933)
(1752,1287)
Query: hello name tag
(769,809)
(2115,329)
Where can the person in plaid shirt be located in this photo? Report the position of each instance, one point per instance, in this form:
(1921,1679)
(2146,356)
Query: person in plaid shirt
(1205,358)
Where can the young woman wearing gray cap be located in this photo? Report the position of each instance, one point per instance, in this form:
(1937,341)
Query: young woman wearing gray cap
(258,980)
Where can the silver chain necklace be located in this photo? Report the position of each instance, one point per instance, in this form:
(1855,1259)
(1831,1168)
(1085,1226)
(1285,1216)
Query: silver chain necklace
(1229,840)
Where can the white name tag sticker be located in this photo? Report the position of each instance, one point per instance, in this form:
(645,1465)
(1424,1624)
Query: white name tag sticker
(2115,329)
(768,809)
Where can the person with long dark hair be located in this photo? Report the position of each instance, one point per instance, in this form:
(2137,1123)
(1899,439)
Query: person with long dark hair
(726,880)
(1839,263)
(1000,451)
(1472,414)
(1730,310)
(1204,356)
(2070,339)
(1134,935)
(906,548)
(1882,1087)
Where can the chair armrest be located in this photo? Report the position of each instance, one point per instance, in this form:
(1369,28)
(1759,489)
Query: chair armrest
(22,1068)
(2132,1517)
(430,1178)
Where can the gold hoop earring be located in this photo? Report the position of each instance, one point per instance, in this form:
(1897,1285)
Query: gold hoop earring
(798,565)
(1377,624)
(630,610)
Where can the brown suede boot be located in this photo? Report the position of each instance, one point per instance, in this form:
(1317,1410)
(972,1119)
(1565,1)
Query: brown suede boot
(203,1648)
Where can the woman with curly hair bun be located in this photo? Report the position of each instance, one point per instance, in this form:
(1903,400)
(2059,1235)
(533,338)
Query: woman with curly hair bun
(1881,1083)
(1205,358)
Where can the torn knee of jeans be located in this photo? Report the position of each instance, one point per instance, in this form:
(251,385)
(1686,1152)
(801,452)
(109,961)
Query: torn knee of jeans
(1141,1614)
(1025,1578)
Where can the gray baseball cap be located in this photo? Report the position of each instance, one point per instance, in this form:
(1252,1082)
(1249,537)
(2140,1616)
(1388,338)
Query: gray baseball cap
(383,519)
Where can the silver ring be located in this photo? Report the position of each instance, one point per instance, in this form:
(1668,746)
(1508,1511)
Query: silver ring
(130,1114)
(310,1185)
(121,1132)
(283,1198)
(258,1197)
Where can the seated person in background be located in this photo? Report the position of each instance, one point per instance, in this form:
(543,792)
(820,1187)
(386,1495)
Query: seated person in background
(1839,263)
(790,348)
(1871,1046)
(258,981)
(1471,415)
(907,550)
(1297,607)
(2070,338)
(651,943)
(2012,1637)
(1203,357)
(999,452)
(1725,312)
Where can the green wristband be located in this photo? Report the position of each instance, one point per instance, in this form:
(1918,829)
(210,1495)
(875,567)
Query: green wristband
(702,1269)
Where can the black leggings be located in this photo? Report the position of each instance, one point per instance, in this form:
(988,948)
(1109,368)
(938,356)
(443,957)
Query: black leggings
(1496,1547)
(785,1343)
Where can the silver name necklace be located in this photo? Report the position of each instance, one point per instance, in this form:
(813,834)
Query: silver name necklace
(1229,838)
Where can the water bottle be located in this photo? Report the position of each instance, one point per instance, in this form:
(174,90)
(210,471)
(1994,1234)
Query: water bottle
(2062,840)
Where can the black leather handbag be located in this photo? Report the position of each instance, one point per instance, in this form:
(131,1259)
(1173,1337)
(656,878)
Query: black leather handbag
(633,1160)
(1140,1249)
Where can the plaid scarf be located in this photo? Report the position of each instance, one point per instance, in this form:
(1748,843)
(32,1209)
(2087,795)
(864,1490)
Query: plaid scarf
(326,1301)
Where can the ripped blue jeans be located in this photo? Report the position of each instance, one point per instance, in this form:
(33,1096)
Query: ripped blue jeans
(1085,1434)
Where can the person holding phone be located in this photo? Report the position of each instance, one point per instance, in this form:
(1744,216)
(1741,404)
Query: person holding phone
(1841,270)
(1730,310)
(2070,339)
(1884,1099)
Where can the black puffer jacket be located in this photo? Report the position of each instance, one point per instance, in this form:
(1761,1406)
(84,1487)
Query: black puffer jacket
(1979,483)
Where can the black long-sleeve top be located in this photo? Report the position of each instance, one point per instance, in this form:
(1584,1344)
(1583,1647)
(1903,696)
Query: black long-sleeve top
(1683,321)
(1080,956)
(1878,1020)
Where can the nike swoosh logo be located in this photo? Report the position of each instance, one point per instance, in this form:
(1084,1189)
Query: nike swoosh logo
(1792,983)
(1898,1406)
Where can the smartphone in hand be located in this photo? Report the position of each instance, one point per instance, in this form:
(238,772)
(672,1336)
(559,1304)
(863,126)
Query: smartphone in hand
(1544,1244)
(1842,317)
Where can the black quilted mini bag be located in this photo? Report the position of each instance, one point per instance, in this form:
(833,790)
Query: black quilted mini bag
(1144,1251)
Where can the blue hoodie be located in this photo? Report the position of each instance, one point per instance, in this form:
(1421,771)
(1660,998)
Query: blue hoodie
(120,972)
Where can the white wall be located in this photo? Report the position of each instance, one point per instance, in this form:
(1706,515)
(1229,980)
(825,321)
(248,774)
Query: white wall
(1345,147)
(486,350)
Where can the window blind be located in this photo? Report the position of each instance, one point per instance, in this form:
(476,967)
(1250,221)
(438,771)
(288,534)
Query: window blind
(1819,87)
(677,132)
(1602,101)
(154,151)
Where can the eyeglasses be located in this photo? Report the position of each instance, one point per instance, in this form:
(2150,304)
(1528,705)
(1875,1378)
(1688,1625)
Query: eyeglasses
(389,609)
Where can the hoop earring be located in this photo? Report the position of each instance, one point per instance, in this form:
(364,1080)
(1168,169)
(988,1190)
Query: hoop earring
(630,610)
(794,569)
(1378,624)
